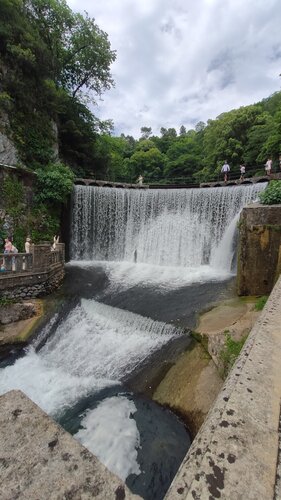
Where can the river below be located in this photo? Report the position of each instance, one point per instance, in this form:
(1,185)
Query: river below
(96,361)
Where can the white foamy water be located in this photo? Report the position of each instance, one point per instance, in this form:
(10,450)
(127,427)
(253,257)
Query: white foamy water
(179,233)
(124,275)
(96,346)
(111,434)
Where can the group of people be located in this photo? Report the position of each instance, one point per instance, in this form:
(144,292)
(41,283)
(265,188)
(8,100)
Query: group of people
(9,248)
(225,170)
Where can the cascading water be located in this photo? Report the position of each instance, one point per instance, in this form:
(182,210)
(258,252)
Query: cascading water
(188,232)
(112,343)
(78,373)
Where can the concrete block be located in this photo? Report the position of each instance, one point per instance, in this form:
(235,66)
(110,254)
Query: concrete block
(39,460)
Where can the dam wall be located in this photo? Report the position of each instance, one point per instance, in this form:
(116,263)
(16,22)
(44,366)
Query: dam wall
(235,455)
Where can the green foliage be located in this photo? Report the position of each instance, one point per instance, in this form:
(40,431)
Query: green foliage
(261,303)
(49,54)
(43,223)
(54,183)
(12,195)
(272,193)
(231,351)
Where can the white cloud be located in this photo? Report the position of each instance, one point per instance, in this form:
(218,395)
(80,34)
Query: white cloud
(180,62)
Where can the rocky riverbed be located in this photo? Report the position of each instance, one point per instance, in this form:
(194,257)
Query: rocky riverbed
(192,384)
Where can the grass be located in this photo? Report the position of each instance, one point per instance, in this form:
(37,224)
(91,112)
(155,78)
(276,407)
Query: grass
(231,351)
(261,303)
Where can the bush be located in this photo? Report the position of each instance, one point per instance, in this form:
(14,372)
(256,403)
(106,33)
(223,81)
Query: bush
(272,193)
(54,183)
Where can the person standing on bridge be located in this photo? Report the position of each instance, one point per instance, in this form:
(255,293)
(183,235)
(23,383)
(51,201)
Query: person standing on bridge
(140,180)
(268,166)
(225,170)
(242,172)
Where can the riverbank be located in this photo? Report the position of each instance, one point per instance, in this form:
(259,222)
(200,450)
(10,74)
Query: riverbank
(18,321)
(192,384)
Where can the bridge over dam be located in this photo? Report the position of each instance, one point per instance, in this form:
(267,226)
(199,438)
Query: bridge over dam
(219,183)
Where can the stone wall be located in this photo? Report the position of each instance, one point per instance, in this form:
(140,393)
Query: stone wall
(32,285)
(26,177)
(8,151)
(259,251)
(236,454)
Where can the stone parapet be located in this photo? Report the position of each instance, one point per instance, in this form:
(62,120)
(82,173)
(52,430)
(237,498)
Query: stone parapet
(41,256)
(39,460)
(235,455)
(259,253)
(32,274)
(31,285)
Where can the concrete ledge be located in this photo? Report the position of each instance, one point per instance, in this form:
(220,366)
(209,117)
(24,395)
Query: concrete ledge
(39,460)
(235,454)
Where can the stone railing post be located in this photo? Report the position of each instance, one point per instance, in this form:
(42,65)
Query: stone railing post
(41,256)
(60,247)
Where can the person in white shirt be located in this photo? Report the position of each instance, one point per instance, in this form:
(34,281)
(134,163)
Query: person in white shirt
(242,172)
(225,170)
(268,166)
(140,180)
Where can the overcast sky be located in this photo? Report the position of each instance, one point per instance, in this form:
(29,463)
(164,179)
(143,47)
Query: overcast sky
(182,61)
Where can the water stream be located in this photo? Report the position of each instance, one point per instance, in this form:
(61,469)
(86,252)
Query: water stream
(141,260)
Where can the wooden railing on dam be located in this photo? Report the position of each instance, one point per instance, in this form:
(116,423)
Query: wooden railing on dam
(216,183)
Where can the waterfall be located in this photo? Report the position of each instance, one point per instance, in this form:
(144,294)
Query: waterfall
(94,347)
(185,228)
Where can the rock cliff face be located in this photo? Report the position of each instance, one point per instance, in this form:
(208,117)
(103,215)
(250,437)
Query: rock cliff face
(259,252)
(8,151)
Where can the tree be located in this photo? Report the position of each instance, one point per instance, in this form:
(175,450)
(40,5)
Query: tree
(150,163)
(200,126)
(146,132)
(80,50)
(183,157)
(49,55)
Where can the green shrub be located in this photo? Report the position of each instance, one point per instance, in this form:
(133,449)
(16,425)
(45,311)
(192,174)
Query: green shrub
(54,183)
(261,303)
(272,193)
(13,195)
